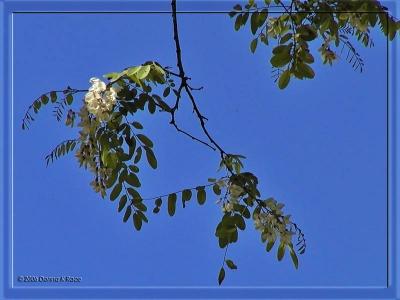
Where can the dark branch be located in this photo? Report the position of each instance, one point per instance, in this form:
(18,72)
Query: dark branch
(186,87)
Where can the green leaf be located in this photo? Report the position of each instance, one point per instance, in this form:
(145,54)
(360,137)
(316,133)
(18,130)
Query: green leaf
(254,22)
(143,216)
(122,176)
(307,57)
(253,45)
(307,32)
(216,189)
(238,22)
(239,221)
(122,203)
(140,205)
(112,76)
(134,168)
(262,17)
(69,99)
(325,24)
(230,264)
(109,159)
(186,195)
(138,155)
(294,258)
(143,72)
(158,202)
(137,221)
(222,242)
(36,105)
(145,140)
(284,79)
(115,192)
(171,204)
(281,251)
(44,99)
(111,179)
(306,70)
(221,276)
(137,125)
(270,244)
(133,180)
(281,59)
(285,38)
(281,49)
(127,214)
(151,158)
(166,91)
(246,213)
(163,105)
(201,195)
(133,70)
(135,195)
(151,106)
(245,17)
(53,96)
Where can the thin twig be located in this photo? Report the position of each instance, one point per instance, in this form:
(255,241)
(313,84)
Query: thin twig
(184,85)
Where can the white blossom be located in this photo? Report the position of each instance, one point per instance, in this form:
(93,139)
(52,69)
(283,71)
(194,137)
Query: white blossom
(235,190)
(100,100)
(227,207)
(258,224)
(97,85)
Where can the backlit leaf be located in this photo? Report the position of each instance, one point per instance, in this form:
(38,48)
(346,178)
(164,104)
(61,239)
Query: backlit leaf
(137,221)
(127,214)
(143,72)
(122,203)
(294,258)
(230,264)
(221,276)
(115,192)
(253,45)
(201,195)
(171,204)
(151,159)
(284,79)
(69,99)
(281,251)
(138,155)
(133,180)
(145,140)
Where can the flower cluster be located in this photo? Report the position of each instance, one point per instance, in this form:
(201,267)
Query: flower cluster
(272,224)
(100,100)
(89,152)
(235,192)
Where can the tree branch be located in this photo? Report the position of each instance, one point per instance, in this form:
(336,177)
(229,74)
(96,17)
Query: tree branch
(184,86)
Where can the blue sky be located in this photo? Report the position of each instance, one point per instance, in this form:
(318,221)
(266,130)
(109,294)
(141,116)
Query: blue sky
(319,146)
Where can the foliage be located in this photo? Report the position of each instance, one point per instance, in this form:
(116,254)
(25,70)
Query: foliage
(297,24)
(112,143)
